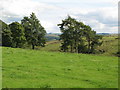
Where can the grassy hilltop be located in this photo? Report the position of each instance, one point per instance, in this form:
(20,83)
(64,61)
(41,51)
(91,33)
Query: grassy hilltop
(42,69)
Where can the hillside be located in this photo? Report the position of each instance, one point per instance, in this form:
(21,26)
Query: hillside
(41,69)
(52,46)
(110,45)
(52,36)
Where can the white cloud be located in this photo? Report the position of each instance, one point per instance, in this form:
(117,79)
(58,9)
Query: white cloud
(51,12)
(50,27)
(24,7)
(103,19)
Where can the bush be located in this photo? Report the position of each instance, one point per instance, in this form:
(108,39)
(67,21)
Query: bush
(118,54)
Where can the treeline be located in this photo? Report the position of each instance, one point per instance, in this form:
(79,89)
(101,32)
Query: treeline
(76,36)
(29,31)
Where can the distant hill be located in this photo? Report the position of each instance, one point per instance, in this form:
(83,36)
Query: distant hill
(52,36)
(60,33)
(55,36)
(103,33)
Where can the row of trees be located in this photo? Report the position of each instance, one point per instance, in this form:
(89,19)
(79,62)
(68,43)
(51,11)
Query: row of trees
(29,31)
(78,37)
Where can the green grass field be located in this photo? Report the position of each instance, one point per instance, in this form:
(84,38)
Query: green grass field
(24,68)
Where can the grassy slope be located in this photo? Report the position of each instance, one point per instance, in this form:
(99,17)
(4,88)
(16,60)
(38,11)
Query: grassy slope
(51,46)
(33,69)
(110,45)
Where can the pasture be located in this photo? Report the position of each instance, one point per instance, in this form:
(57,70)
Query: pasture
(42,69)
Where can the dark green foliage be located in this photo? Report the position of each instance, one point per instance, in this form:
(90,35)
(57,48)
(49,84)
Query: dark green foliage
(95,42)
(18,35)
(77,37)
(34,32)
(118,54)
(82,48)
(6,35)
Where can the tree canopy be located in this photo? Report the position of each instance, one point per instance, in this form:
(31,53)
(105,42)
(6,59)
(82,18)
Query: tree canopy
(78,37)
(29,31)
(34,31)
(17,34)
(6,35)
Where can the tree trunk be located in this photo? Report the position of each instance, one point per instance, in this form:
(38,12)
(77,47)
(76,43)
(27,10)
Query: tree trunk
(88,46)
(71,48)
(33,47)
(76,49)
(16,45)
(75,46)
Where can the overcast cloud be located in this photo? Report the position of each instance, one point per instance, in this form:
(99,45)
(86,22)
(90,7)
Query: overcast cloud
(101,15)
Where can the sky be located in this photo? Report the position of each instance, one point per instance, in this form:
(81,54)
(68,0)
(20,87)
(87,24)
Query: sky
(101,15)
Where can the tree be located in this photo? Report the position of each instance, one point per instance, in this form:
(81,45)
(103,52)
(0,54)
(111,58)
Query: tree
(78,37)
(72,33)
(34,32)
(67,36)
(18,35)
(6,35)
(95,42)
(89,34)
